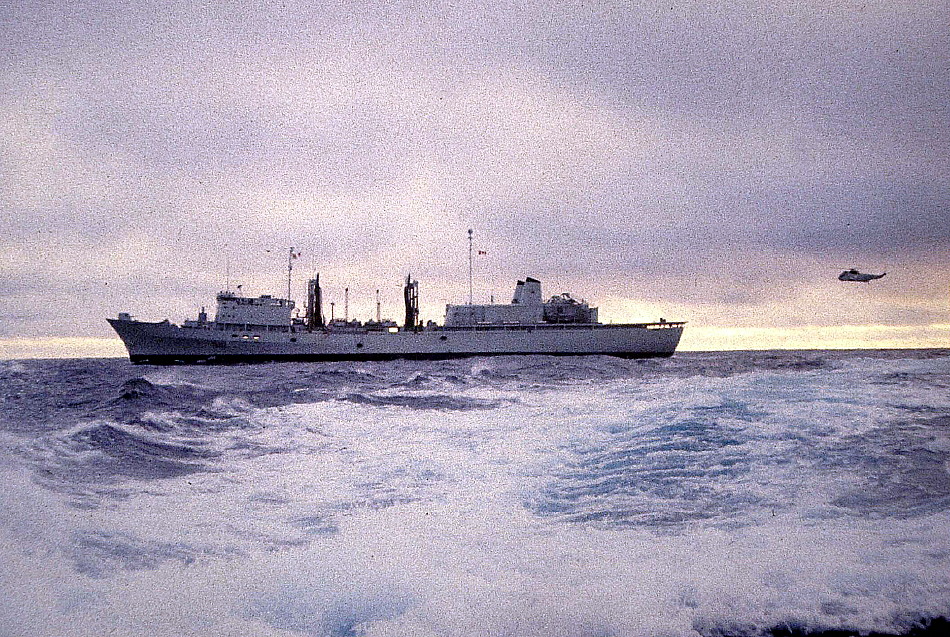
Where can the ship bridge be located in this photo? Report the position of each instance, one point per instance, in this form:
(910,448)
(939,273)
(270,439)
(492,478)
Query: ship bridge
(264,310)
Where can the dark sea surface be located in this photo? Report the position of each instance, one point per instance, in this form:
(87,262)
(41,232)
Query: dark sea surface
(712,494)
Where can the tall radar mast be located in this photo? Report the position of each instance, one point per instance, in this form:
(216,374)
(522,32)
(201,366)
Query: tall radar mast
(470,294)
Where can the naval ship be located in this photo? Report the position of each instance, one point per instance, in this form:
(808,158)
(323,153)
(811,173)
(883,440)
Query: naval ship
(264,328)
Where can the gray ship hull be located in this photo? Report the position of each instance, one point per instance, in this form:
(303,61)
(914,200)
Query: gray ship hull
(166,343)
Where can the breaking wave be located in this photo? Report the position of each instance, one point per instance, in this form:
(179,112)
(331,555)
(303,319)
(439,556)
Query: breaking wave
(103,453)
(423,401)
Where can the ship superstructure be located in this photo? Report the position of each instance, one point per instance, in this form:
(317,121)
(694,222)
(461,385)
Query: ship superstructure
(266,328)
(526,308)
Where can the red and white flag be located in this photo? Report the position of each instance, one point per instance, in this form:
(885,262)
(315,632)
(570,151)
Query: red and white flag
(293,255)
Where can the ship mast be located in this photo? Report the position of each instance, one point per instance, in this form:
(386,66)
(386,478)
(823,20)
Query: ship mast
(314,304)
(290,267)
(410,294)
(470,295)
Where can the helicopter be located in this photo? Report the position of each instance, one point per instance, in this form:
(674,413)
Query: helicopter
(854,275)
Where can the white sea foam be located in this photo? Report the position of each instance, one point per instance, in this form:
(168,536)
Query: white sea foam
(343,517)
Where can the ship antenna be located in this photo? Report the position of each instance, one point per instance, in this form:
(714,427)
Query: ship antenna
(378,316)
(227,272)
(470,295)
(290,267)
(346,305)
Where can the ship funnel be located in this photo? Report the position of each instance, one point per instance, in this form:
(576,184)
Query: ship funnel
(314,304)
(530,292)
(411,295)
(519,293)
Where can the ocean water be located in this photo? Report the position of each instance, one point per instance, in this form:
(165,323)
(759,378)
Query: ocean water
(712,494)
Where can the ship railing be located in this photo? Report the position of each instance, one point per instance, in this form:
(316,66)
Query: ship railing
(528,327)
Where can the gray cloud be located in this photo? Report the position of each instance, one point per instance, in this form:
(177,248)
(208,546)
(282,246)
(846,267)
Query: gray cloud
(728,156)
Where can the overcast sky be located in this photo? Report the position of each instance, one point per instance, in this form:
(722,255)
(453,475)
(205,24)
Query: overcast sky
(716,163)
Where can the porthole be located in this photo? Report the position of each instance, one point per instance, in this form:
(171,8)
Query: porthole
(359,345)
(442,338)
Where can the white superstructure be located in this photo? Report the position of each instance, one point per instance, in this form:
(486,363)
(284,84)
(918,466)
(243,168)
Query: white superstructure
(262,310)
(526,308)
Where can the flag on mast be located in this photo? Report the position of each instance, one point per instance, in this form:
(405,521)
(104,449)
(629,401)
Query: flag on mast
(294,254)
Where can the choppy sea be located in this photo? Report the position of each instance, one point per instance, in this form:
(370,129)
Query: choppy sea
(710,494)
